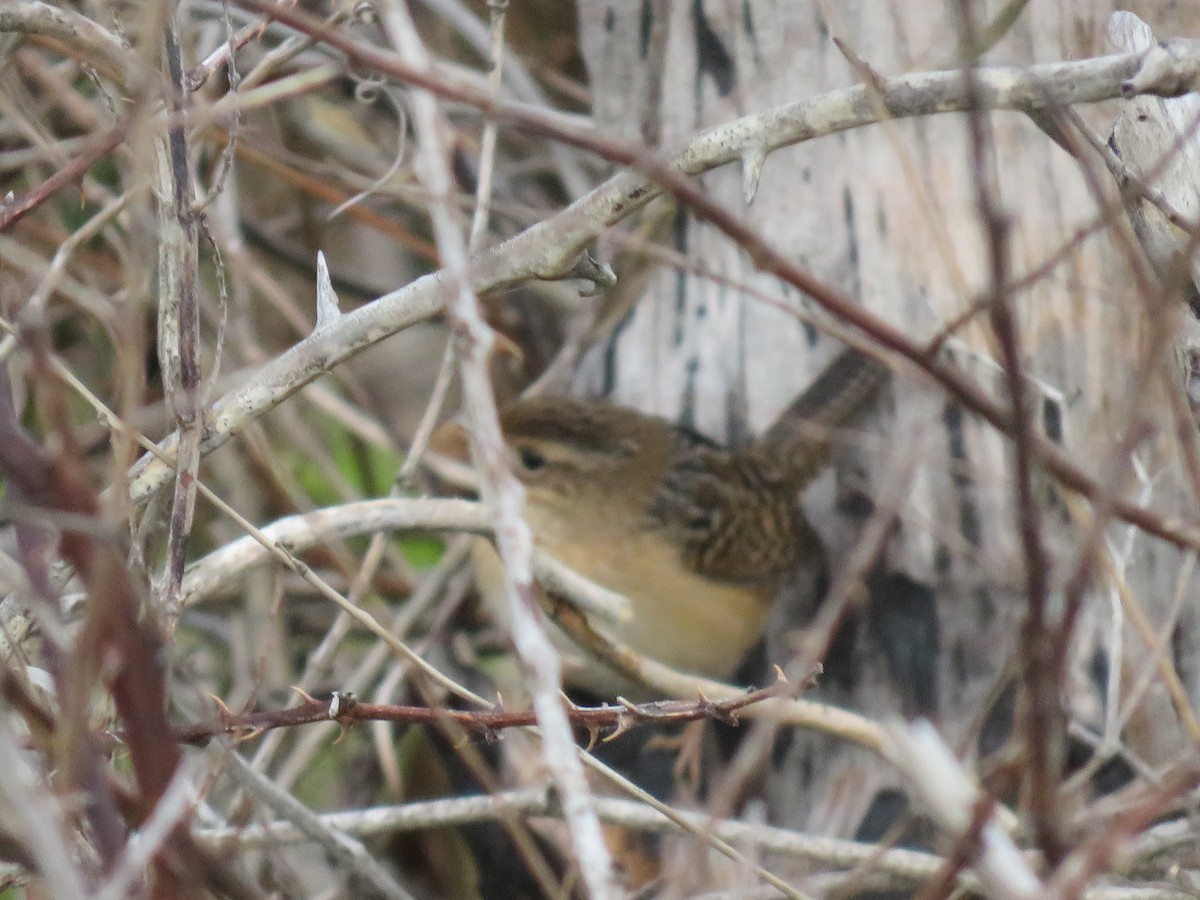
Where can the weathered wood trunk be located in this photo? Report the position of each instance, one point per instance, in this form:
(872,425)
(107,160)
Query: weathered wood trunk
(888,213)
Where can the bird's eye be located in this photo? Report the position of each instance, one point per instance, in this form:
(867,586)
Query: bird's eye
(531,459)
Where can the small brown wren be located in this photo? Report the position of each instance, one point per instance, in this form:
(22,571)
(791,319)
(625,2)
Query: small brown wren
(698,537)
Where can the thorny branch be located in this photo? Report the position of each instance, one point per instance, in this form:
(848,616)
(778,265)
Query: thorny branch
(607,722)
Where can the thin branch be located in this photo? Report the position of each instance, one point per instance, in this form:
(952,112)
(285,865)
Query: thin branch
(349,852)
(1097,855)
(79,34)
(473,340)
(173,810)
(487,146)
(302,532)
(346,709)
(672,683)
(947,793)
(892,868)
(34,821)
(178,318)
(521,83)
(1043,727)
(434,587)
(13,209)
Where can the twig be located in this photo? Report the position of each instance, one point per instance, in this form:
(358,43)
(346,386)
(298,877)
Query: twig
(203,70)
(967,846)
(643,670)
(487,146)
(306,530)
(370,822)
(700,831)
(66,250)
(1159,647)
(171,811)
(947,792)
(35,822)
(346,709)
(80,34)
(349,852)
(178,319)
(523,85)
(1040,675)
(114,638)
(12,209)
(498,487)
(894,868)
(1097,855)
(435,584)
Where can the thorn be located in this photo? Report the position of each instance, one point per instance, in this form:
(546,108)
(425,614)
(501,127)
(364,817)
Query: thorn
(718,712)
(624,724)
(248,735)
(593,731)
(588,268)
(308,698)
(752,166)
(224,712)
(327,298)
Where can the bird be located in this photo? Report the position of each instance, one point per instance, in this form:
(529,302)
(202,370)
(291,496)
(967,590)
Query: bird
(699,537)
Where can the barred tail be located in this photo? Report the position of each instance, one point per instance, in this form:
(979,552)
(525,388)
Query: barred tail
(803,434)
